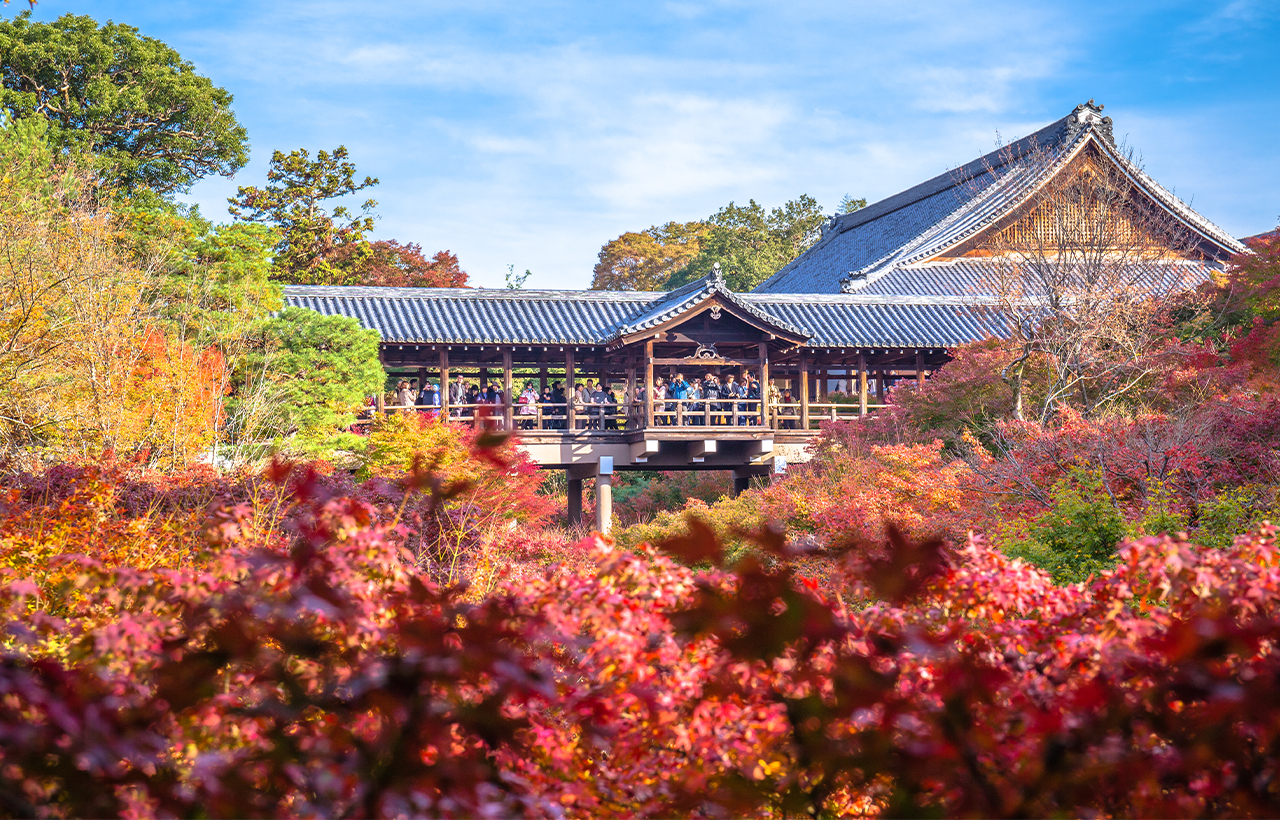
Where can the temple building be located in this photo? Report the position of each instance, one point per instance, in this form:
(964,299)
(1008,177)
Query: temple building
(881,296)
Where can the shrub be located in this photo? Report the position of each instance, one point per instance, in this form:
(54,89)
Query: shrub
(1077,537)
(1234,511)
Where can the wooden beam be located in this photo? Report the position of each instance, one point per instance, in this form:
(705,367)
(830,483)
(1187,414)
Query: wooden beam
(570,423)
(689,361)
(444,383)
(630,396)
(862,384)
(804,391)
(764,384)
(506,389)
(648,383)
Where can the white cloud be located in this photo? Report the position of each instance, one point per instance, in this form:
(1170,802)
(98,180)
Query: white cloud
(530,133)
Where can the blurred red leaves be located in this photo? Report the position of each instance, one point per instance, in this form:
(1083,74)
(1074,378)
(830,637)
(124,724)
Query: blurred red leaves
(308,667)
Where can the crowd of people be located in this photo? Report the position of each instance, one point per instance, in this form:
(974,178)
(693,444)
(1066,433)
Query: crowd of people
(717,400)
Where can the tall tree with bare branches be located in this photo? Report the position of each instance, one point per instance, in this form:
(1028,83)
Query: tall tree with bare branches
(1086,271)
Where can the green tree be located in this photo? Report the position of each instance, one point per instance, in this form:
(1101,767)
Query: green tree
(647,260)
(324,367)
(751,244)
(153,122)
(1077,536)
(850,203)
(317,246)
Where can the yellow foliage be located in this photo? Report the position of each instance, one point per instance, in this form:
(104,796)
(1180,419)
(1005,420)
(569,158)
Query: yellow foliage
(85,365)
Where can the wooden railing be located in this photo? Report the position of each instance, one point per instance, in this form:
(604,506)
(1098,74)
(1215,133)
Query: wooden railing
(790,415)
(726,412)
(620,417)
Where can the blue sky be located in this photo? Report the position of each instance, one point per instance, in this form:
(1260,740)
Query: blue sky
(529,133)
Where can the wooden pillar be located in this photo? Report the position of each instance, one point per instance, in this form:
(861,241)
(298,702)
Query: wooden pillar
(880,380)
(648,383)
(604,495)
(574,498)
(570,423)
(506,390)
(444,383)
(919,369)
(764,384)
(862,383)
(822,384)
(804,391)
(542,379)
(380,402)
(629,399)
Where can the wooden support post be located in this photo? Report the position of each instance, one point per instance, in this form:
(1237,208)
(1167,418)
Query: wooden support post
(542,379)
(862,383)
(648,383)
(570,422)
(574,499)
(880,379)
(804,391)
(919,369)
(628,401)
(823,375)
(380,402)
(764,384)
(604,495)
(444,383)
(507,403)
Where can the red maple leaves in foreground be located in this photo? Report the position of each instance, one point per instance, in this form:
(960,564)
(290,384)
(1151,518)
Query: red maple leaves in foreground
(311,669)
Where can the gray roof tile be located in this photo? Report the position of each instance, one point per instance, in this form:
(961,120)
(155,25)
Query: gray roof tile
(925,220)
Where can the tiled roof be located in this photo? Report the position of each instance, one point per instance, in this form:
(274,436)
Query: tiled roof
(851,321)
(695,293)
(970,279)
(911,227)
(479,316)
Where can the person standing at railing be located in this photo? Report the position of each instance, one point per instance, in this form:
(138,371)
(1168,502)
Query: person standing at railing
(558,398)
(786,411)
(752,392)
(404,395)
(698,417)
(732,388)
(612,400)
(544,401)
(711,390)
(457,395)
(659,402)
(528,402)
(581,400)
(678,389)
(429,400)
(596,399)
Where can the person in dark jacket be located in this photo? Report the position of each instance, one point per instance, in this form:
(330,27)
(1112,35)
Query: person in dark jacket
(753,395)
(562,410)
(711,390)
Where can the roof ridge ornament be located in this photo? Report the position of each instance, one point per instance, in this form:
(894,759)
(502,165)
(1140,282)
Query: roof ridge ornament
(716,277)
(1089,115)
